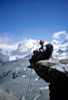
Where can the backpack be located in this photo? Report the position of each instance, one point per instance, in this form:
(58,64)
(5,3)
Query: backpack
(49,47)
(49,51)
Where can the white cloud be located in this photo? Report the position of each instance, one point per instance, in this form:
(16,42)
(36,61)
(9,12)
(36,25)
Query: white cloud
(8,47)
(57,35)
(66,37)
(4,39)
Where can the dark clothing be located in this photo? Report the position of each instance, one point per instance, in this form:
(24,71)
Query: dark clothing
(49,51)
(46,54)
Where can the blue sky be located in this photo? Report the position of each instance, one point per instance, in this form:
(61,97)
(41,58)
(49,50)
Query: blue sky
(36,19)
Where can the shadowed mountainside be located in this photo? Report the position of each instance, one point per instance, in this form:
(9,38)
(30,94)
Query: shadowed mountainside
(56,73)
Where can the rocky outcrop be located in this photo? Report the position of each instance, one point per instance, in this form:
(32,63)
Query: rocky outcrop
(56,73)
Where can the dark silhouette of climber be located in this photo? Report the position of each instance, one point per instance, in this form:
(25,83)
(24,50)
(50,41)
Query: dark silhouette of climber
(44,52)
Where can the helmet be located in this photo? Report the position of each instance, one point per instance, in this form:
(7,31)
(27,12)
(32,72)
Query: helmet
(41,42)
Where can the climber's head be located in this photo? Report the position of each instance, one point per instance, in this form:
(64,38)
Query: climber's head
(41,42)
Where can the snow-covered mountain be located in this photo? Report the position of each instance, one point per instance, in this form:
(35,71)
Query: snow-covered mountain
(25,48)
(18,50)
(60,49)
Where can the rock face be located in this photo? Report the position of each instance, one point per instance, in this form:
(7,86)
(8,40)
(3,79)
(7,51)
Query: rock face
(56,73)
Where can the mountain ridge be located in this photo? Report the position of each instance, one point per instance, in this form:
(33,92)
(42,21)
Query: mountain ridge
(26,47)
